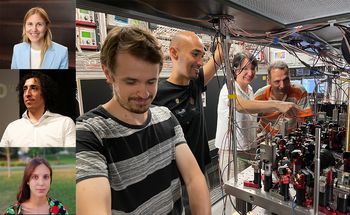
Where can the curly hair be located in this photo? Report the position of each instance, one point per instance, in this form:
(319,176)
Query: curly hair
(48,89)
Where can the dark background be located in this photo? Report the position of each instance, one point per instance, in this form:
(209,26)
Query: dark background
(67,104)
(97,91)
(61,14)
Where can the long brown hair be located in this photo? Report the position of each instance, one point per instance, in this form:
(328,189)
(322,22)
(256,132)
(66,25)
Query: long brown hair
(24,190)
(48,35)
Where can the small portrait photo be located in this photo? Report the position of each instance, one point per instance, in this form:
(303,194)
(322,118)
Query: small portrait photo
(37,181)
(41,106)
(37,34)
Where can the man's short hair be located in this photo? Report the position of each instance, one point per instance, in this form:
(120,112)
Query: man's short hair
(132,40)
(48,89)
(277,65)
(239,58)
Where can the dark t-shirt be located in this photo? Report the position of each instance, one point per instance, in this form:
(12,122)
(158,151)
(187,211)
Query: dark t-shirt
(185,102)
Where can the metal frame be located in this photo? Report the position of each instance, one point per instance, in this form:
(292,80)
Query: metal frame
(203,12)
(261,198)
(110,9)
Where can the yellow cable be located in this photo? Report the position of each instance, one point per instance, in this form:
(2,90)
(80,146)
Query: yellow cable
(232,96)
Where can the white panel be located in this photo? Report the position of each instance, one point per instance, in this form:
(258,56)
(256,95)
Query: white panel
(280,54)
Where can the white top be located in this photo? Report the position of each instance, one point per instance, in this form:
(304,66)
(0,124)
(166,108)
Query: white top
(246,123)
(35,59)
(52,130)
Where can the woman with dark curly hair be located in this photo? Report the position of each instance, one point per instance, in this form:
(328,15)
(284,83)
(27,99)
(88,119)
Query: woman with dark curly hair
(32,196)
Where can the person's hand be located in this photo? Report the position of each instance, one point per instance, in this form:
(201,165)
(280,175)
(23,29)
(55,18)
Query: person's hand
(289,108)
(218,53)
(219,50)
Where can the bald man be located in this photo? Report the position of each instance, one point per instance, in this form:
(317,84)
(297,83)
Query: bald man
(181,92)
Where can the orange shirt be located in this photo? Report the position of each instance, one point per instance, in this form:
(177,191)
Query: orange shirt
(272,121)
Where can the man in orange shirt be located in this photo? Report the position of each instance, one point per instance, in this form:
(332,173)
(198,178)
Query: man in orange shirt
(280,88)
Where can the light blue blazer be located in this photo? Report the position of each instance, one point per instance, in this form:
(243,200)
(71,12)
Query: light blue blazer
(56,57)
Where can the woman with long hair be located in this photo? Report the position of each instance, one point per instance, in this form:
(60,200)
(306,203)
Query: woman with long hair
(32,196)
(37,50)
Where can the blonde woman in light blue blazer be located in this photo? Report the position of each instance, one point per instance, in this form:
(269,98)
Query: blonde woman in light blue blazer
(38,51)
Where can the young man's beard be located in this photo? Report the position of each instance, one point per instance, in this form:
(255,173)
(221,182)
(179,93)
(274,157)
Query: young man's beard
(132,107)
